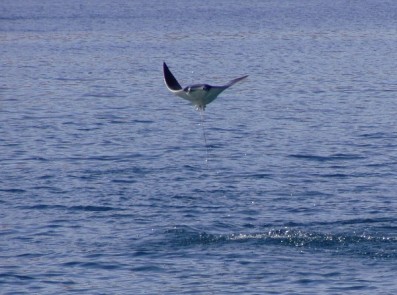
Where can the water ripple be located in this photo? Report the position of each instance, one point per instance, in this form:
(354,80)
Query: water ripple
(369,245)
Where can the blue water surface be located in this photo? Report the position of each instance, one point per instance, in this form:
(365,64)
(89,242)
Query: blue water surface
(108,187)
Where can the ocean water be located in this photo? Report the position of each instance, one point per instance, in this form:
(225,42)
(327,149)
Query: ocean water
(107,186)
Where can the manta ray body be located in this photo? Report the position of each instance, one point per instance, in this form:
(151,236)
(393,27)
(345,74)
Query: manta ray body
(198,94)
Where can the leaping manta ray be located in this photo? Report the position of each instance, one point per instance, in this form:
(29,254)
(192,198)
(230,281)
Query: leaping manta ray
(198,94)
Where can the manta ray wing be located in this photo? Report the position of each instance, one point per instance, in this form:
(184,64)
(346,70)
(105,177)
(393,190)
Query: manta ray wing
(234,81)
(172,83)
(216,90)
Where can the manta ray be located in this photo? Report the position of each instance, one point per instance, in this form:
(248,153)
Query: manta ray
(198,94)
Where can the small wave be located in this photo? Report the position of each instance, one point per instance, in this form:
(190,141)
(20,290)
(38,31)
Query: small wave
(334,157)
(13,190)
(93,265)
(89,208)
(13,275)
(142,121)
(92,208)
(43,207)
(184,236)
(103,95)
(377,135)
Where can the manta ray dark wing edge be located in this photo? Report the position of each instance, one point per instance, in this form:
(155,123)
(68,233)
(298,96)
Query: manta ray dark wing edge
(170,80)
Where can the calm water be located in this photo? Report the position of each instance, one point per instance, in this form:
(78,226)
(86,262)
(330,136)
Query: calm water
(104,186)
